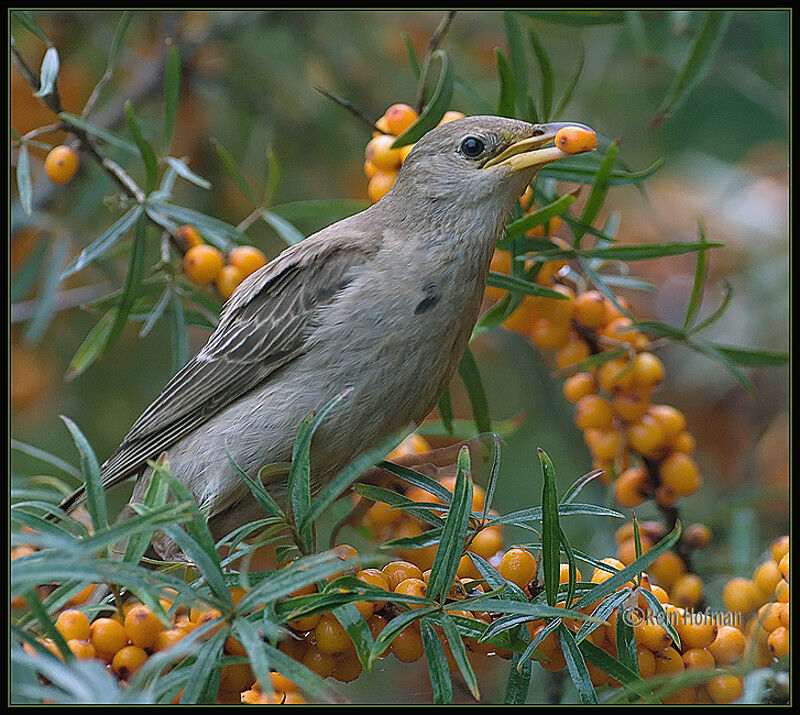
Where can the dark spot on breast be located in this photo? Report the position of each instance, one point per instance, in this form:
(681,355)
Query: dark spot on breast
(431,298)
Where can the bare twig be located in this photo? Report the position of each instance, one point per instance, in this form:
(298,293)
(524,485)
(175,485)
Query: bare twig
(433,44)
(349,107)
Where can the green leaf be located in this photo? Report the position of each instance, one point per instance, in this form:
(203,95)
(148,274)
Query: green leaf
(48,289)
(695,66)
(438,669)
(251,640)
(353,622)
(710,351)
(24,178)
(180,168)
(540,217)
(569,91)
(90,468)
(411,53)
(202,682)
(753,357)
(577,18)
(272,178)
(520,285)
(519,680)
(578,672)
(460,654)
(145,148)
(516,47)
(233,171)
(260,494)
(23,17)
(505,100)
(99,132)
(494,473)
(579,484)
(119,37)
(719,312)
(451,545)
(172,89)
(283,228)
(92,346)
(546,69)
(48,73)
(35,604)
(218,233)
(434,110)
(599,189)
(629,252)
(610,665)
(471,376)
(583,170)
(626,643)
(535,513)
(418,480)
(304,678)
(180,341)
(156,496)
(446,411)
(133,280)
(551,559)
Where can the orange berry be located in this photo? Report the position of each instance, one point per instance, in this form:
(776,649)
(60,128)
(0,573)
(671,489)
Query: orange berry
(450,116)
(684,442)
(647,661)
(232,647)
(282,684)
(399,117)
(383,125)
(377,578)
(189,235)
(782,591)
(318,661)
(578,386)
(766,577)
(518,566)
(73,624)
(667,568)
(501,263)
(679,473)
(630,406)
(305,623)
(248,259)
(590,310)
(728,646)
(671,419)
(768,616)
(82,596)
(128,660)
(593,412)
(604,444)
(82,649)
(668,660)
(522,319)
(616,374)
(548,335)
(347,669)
(740,595)
(407,645)
(169,637)
(697,536)
(631,487)
(379,151)
(370,169)
(779,548)
(398,571)
(783,566)
(236,677)
(648,369)
(142,627)
(646,436)
(778,642)
(724,689)
(380,184)
(696,632)
(575,351)
(228,280)
(412,587)
(783,615)
(61,164)
(331,636)
(574,140)
(487,541)
(108,636)
(687,591)
(203,263)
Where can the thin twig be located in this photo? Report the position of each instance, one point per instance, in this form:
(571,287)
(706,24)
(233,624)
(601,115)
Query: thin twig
(349,107)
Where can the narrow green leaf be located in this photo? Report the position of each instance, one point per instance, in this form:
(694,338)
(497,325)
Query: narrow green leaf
(520,285)
(626,642)
(202,682)
(505,100)
(180,168)
(540,217)
(599,189)
(516,47)
(260,494)
(155,498)
(753,357)
(551,559)
(38,610)
(180,341)
(610,665)
(48,73)
(578,672)
(48,289)
(283,228)
(353,622)
(92,346)
(90,468)
(471,376)
(460,655)
(546,70)
(24,178)
(102,244)
(451,545)
(145,148)
(305,679)
(233,171)
(218,233)
(584,168)
(434,110)
(23,17)
(708,349)
(411,53)
(694,68)
(569,91)
(719,312)
(577,18)
(119,38)
(172,89)
(251,640)
(99,132)
(446,411)
(438,668)
(578,485)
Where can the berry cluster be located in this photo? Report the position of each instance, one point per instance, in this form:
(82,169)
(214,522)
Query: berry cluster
(382,162)
(205,264)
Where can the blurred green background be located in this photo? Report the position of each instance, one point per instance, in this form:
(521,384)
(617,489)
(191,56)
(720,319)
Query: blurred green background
(248,80)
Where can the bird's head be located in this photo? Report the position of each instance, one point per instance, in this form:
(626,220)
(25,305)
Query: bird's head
(481,157)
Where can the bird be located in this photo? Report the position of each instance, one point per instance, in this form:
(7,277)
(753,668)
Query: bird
(380,304)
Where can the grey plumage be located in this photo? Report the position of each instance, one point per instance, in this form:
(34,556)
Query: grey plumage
(382,303)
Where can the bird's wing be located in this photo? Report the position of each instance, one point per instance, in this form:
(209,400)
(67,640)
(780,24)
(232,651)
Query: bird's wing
(266,324)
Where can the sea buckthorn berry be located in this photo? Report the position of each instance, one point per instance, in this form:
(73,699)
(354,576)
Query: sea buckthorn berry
(467,569)
(305,623)
(232,647)
(347,669)
(668,660)
(783,566)
(768,617)
(128,660)
(399,117)
(555,661)
(646,436)
(647,661)
(779,548)
(380,184)
(500,263)
(728,646)
(228,280)
(189,235)
(82,596)
(660,594)
(724,689)
(170,637)
(203,263)
(593,412)
(61,164)
(142,627)
(601,575)
(318,661)
(590,309)
(295,648)
(782,591)
(281,683)
(626,551)
(697,632)
(697,536)
(604,444)
(575,139)
(671,419)
(575,351)
(630,406)
(398,571)
(236,677)
(631,487)
(407,645)
(783,615)
(620,329)
(548,335)
(248,259)
(684,442)
(766,577)
(376,578)
(563,574)
(108,636)
(687,591)
(487,542)
(615,374)
(679,472)
(539,232)
(450,116)
(518,566)
(207,616)
(740,595)
(379,151)
(412,587)
(578,386)
(370,169)
(684,696)
(778,642)
(648,369)
(331,636)
(81,649)
(73,624)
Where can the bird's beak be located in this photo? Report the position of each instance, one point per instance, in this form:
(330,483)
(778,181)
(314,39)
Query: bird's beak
(534,151)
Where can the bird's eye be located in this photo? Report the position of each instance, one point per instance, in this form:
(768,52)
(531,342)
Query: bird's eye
(472,147)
